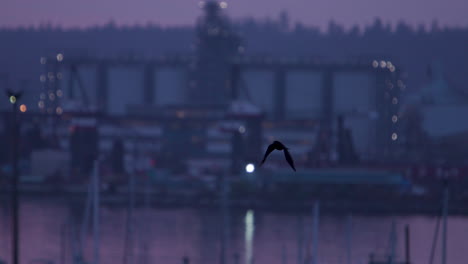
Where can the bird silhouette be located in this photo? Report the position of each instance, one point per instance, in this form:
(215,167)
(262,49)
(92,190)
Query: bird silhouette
(276,145)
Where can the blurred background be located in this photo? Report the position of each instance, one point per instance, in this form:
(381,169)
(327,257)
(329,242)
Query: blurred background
(131,132)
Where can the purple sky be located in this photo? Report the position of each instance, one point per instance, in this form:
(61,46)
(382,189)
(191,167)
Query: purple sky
(84,13)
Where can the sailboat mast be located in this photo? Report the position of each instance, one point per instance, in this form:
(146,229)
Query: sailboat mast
(316,232)
(444,222)
(96,211)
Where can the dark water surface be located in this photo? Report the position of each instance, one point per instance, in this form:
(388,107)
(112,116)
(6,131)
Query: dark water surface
(165,236)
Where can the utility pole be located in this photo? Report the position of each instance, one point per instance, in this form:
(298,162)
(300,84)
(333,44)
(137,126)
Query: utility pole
(14,97)
(407,245)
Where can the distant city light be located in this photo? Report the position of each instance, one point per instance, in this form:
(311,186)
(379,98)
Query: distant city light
(59,75)
(59,110)
(394,136)
(51,96)
(59,93)
(42,78)
(201,4)
(40,104)
(394,118)
(392,68)
(383,64)
(180,114)
(250,168)
(23,108)
(60,57)
(242,129)
(375,64)
(223,5)
(12,99)
(42,96)
(43,60)
(395,100)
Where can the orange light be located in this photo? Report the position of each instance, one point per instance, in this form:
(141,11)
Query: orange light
(23,108)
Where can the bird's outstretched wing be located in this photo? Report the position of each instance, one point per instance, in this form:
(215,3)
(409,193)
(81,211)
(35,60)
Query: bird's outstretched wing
(289,158)
(269,150)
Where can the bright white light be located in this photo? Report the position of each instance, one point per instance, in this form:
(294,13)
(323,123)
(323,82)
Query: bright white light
(383,64)
(249,168)
(394,136)
(242,129)
(223,5)
(60,57)
(375,64)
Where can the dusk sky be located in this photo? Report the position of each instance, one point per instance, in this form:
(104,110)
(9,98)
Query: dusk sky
(83,13)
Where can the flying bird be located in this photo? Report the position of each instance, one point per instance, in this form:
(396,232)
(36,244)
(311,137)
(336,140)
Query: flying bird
(276,145)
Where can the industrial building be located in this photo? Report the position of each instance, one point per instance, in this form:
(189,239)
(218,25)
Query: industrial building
(220,104)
